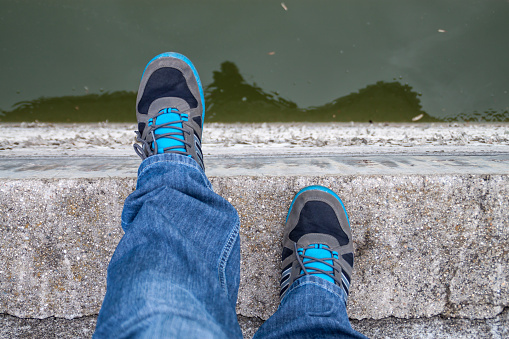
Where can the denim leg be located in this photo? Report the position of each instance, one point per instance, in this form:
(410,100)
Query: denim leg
(176,271)
(312,308)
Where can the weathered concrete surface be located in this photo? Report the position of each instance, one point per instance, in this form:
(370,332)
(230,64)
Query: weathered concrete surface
(267,165)
(111,139)
(104,134)
(435,327)
(428,206)
(56,239)
(13,327)
(425,245)
(83,327)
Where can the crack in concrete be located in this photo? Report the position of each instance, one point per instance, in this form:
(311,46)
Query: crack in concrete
(438,326)
(49,318)
(505,309)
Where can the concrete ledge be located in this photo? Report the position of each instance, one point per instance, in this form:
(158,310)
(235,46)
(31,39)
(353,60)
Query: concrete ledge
(425,245)
(267,165)
(234,140)
(13,327)
(430,228)
(435,327)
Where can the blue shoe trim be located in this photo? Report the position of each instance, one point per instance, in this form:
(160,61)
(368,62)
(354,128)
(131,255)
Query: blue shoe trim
(169,115)
(319,253)
(187,61)
(318,188)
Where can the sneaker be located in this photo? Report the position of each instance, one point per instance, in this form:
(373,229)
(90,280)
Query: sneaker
(170,108)
(317,239)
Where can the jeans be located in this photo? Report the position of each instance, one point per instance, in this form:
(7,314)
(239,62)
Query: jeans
(176,271)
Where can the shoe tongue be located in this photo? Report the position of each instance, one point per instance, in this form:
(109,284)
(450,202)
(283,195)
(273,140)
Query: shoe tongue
(318,251)
(169,115)
(174,104)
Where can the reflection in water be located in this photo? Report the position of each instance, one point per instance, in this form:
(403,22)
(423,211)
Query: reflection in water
(453,52)
(114,107)
(383,101)
(229,98)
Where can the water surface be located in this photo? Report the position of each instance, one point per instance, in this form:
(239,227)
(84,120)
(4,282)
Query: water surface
(316,61)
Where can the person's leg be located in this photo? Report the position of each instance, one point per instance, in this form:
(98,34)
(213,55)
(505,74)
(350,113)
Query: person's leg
(176,271)
(317,264)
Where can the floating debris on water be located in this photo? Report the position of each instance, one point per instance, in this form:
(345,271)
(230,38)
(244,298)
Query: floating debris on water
(418,117)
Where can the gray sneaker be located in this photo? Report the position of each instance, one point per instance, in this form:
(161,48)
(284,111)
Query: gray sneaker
(170,108)
(317,239)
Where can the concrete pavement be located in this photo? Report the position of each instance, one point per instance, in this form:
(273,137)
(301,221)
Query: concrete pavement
(429,223)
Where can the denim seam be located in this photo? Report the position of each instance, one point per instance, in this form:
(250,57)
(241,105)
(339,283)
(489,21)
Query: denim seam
(178,162)
(299,284)
(225,255)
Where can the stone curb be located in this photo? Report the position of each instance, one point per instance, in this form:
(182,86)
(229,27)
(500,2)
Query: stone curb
(425,245)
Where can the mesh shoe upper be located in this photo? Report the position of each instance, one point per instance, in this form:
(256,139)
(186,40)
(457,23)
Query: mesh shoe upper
(317,239)
(170,108)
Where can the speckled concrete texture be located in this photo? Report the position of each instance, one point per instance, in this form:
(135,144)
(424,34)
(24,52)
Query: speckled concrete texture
(83,327)
(435,327)
(13,327)
(425,245)
(114,139)
(57,237)
(428,205)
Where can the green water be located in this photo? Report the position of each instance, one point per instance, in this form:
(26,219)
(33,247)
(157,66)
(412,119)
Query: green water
(229,98)
(316,61)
